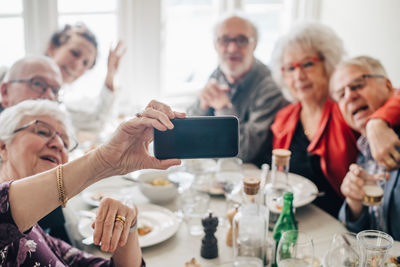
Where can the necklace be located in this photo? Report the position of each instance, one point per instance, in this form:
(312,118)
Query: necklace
(309,134)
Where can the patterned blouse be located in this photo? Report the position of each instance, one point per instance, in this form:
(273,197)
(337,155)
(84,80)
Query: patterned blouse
(34,247)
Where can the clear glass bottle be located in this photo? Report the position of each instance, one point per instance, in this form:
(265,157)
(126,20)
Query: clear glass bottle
(249,232)
(278,184)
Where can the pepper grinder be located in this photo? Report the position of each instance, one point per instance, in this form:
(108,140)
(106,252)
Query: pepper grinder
(209,243)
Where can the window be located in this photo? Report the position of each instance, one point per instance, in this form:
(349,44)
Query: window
(266,14)
(187,51)
(100,17)
(12,30)
(169,42)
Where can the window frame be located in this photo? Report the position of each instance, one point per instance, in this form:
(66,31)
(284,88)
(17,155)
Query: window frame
(143,60)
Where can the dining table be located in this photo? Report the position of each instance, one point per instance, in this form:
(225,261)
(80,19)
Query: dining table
(181,247)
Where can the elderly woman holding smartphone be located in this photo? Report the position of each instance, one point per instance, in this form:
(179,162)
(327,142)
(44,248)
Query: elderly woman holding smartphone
(36,179)
(322,144)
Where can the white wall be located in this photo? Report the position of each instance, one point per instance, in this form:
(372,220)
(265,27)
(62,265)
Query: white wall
(370,27)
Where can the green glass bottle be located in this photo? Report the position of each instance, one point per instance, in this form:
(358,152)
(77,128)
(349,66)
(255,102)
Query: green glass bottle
(285,222)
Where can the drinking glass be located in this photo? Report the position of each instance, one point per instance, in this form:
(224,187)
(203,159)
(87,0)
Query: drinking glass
(343,251)
(229,177)
(194,206)
(374,247)
(373,195)
(295,249)
(183,180)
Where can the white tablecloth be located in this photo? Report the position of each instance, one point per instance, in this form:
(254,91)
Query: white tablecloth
(181,247)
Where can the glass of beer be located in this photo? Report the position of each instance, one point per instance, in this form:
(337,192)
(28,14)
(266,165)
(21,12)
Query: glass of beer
(373,195)
(373,192)
(373,187)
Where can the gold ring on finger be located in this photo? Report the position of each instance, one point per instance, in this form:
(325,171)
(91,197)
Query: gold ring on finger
(120,218)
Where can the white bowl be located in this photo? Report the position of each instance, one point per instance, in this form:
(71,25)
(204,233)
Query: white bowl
(158,194)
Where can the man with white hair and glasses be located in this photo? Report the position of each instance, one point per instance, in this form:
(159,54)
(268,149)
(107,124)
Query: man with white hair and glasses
(360,86)
(241,85)
(32,77)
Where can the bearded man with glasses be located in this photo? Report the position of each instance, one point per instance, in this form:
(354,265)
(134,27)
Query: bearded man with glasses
(241,85)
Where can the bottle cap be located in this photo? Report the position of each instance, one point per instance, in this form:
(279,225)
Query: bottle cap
(288,196)
(282,156)
(251,185)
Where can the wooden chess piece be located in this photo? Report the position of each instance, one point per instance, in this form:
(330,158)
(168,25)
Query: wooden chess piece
(209,243)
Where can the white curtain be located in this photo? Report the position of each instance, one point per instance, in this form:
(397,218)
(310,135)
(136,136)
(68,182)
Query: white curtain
(297,10)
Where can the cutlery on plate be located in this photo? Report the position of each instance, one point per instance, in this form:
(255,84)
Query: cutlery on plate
(318,194)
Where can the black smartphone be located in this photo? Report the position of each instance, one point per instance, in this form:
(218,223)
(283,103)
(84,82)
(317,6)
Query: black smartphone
(198,137)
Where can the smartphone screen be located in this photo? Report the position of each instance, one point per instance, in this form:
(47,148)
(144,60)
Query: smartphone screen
(198,137)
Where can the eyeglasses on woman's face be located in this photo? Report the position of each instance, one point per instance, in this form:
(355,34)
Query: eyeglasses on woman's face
(305,65)
(47,132)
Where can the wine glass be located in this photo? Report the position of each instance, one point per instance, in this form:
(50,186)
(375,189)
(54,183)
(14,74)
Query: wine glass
(343,251)
(295,249)
(229,177)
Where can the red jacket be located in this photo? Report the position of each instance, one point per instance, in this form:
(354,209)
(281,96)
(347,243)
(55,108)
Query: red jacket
(334,141)
(390,110)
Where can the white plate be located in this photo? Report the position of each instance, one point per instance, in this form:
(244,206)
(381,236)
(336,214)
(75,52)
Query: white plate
(90,195)
(304,191)
(164,223)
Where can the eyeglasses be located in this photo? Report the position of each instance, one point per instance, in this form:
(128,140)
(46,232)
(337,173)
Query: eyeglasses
(240,40)
(39,85)
(356,85)
(47,132)
(305,65)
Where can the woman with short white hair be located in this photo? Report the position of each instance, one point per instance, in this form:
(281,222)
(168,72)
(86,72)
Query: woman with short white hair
(36,179)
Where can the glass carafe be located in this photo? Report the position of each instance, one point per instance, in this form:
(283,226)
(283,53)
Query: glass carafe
(249,232)
(278,185)
(374,247)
